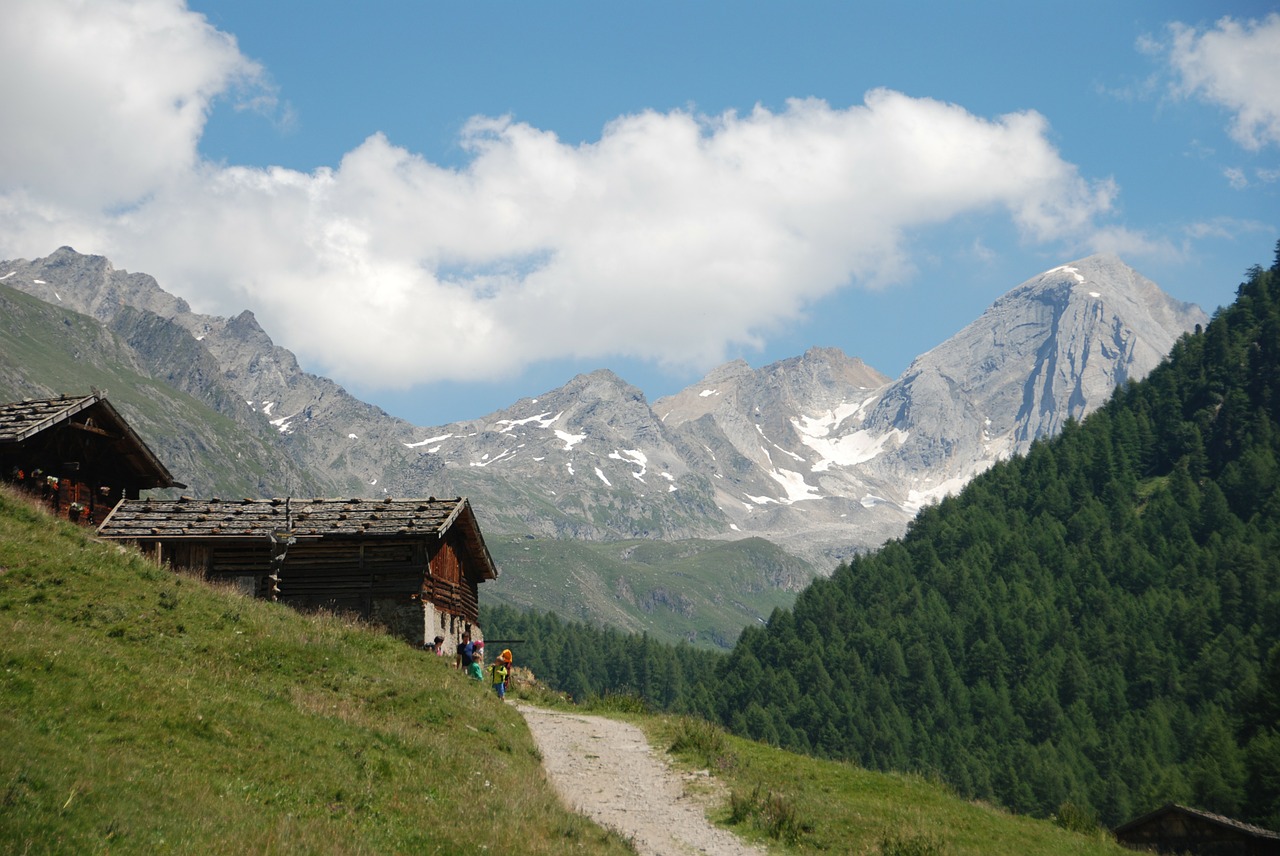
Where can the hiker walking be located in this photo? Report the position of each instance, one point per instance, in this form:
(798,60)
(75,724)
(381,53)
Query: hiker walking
(498,677)
(500,673)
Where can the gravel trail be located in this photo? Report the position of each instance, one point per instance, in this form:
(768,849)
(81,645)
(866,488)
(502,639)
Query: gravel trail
(605,769)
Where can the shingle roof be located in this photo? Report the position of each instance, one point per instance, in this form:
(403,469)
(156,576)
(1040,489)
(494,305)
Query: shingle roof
(187,519)
(22,420)
(1217,819)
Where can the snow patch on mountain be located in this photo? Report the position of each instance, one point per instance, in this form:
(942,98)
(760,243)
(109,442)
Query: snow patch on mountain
(1075,272)
(797,489)
(486,459)
(570,440)
(632,456)
(825,423)
(542,420)
(918,499)
(440,439)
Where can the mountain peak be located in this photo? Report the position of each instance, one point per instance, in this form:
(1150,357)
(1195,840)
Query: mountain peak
(602,384)
(246,324)
(1051,349)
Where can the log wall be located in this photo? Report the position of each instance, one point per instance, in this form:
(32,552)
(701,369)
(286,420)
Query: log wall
(416,587)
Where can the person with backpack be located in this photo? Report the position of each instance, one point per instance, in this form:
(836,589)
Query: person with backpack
(500,673)
(498,677)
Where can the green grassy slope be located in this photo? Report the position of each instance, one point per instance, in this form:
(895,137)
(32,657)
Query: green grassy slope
(145,711)
(800,804)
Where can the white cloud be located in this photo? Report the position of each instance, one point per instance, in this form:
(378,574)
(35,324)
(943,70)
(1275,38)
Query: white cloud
(1226,228)
(674,237)
(1236,178)
(1235,65)
(105,101)
(1129,243)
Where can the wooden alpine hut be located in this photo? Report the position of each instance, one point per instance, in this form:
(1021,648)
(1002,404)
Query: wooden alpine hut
(78,454)
(1174,828)
(412,565)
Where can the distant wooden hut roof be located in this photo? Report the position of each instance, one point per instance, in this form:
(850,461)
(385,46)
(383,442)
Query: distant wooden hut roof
(1206,816)
(22,420)
(304,519)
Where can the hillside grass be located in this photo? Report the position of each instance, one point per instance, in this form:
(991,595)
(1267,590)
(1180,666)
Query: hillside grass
(146,711)
(800,804)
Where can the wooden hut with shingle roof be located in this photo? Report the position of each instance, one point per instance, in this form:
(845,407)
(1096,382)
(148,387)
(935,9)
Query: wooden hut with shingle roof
(78,454)
(1174,828)
(413,565)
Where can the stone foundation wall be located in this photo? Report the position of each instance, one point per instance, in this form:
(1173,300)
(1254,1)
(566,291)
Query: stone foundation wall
(419,623)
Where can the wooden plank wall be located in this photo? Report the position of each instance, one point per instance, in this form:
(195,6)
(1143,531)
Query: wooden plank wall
(337,573)
(447,586)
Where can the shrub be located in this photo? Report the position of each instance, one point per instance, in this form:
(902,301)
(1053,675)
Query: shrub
(770,812)
(1076,818)
(616,703)
(702,740)
(911,844)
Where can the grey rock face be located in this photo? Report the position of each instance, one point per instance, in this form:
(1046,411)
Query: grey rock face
(587,460)
(841,459)
(819,453)
(1052,349)
(269,386)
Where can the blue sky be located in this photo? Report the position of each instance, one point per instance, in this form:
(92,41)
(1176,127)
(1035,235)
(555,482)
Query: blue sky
(448,206)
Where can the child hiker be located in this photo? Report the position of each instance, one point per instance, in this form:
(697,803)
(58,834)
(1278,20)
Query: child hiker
(498,677)
(500,673)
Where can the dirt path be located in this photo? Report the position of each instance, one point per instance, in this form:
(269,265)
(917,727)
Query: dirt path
(605,769)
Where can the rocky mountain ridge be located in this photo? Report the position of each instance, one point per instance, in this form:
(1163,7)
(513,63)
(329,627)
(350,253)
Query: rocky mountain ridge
(818,453)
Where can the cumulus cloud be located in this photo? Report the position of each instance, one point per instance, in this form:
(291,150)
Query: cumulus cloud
(104,101)
(673,237)
(1236,65)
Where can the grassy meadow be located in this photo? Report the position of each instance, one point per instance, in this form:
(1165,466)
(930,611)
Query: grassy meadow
(805,805)
(143,711)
